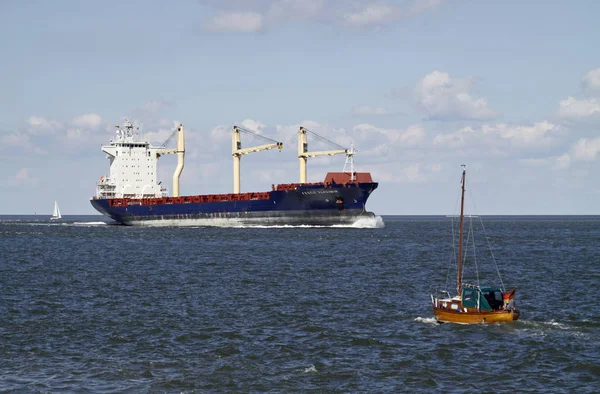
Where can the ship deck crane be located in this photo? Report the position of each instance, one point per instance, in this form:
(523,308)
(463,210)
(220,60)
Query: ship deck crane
(179,151)
(304,154)
(237,151)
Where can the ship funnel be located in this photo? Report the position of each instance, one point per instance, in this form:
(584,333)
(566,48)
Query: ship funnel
(180,160)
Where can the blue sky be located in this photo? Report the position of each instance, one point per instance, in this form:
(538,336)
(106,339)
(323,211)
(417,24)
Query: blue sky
(512,89)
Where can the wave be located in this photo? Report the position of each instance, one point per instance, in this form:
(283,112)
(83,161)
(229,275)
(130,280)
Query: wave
(309,369)
(56,223)
(552,327)
(281,226)
(374,222)
(368,222)
(427,320)
(546,324)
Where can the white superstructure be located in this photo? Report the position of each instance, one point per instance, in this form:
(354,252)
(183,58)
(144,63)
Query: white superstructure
(134,165)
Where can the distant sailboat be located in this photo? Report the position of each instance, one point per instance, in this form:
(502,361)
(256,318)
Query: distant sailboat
(56,214)
(473,304)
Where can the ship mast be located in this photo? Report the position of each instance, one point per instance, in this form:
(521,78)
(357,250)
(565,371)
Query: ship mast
(350,162)
(460,236)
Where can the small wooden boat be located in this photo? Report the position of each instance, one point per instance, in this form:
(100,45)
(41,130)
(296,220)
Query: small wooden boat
(473,304)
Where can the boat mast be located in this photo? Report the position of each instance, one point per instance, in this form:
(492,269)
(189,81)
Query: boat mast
(460,236)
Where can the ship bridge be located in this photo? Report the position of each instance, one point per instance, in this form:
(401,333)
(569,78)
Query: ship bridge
(133,166)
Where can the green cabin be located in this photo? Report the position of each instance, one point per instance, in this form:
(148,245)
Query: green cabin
(484,298)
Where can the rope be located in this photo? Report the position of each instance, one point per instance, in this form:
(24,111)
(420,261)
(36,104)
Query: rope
(255,134)
(464,257)
(323,139)
(488,241)
(493,257)
(453,257)
(452,254)
(164,144)
(474,254)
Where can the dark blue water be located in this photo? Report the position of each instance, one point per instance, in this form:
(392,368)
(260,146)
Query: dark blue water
(100,308)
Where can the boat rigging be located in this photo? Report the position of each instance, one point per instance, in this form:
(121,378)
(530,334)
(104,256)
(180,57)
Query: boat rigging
(474,304)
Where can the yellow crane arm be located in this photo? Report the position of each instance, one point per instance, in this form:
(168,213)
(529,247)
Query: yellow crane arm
(259,148)
(324,153)
(161,152)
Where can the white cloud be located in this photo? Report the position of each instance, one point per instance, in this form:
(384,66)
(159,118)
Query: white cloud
(583,109)
(455,139)
(412,173)
(367,111)
(23,177)
(82,130)
(563,161)
(578,109)
(442,97)
(404,173)
(231,22)
(77,130)
(410,136)
(220,133)
(583,150)
(435,167)
(377,14)
(38,121)
(373,15)
(42,135)
(288,134)
(40,125)
(76,135)
(90,121)
(401,137)
(273,175)
(586,149)
(154,106)
(22,140)
(253,125)
(557,162)
(294,9)
(257,15)
(591,80)
(420,6)
(534,162)
(540,134)
(159,133)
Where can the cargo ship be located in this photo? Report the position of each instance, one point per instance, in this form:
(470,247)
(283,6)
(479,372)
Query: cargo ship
(131,195)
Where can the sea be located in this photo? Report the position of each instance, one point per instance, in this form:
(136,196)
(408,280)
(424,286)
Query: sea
(87,306)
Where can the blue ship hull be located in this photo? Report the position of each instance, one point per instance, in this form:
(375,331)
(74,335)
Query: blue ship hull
(304,205)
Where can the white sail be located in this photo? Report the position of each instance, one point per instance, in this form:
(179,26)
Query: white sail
(56,214)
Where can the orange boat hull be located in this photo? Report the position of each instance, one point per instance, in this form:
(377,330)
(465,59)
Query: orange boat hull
(475,317)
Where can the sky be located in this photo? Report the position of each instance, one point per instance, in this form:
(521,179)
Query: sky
(511,89)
